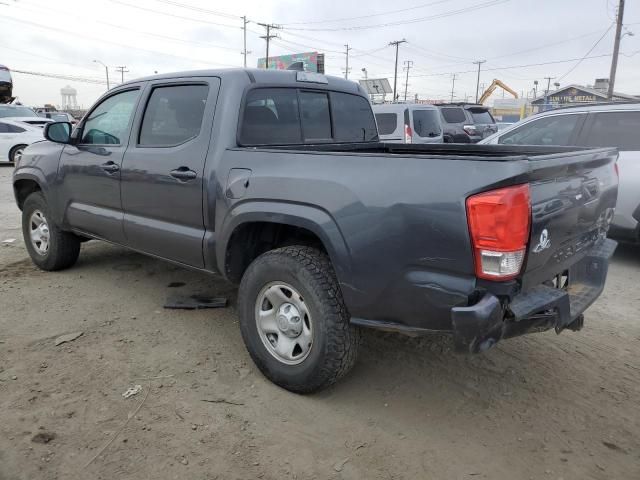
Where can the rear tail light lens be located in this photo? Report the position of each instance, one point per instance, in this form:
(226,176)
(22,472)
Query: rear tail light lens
(470,130)
(408,134)
(499,222)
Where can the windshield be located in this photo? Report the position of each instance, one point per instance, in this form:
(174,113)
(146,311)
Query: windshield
(5,76)
(7,111)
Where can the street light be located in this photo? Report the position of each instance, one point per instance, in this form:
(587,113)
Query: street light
(106,71)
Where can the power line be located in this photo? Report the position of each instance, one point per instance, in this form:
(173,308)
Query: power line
(587,54)
(382,14)
(479,6)
(72,78)
(198,9)
(113,25)
(127,47)
(172,15)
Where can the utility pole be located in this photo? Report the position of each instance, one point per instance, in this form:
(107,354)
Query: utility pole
(395,72)
(479,63)
(453,85)
(346,69)
(268,37)
(616,50)
(546,92)
(123,69)
(244,32)
(408,64)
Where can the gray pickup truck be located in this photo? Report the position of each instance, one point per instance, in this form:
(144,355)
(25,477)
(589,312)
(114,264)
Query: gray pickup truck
(277,181)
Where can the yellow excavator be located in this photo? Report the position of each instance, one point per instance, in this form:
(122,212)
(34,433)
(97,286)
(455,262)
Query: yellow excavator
(495,84)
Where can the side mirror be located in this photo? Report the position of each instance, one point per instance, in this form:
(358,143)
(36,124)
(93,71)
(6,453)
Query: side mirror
(59,132)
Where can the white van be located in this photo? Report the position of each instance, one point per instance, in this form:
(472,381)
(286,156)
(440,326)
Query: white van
(408,123)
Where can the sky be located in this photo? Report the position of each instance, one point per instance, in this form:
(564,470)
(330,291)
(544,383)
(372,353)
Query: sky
(521,40)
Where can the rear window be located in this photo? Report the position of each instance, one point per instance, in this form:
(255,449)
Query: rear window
(453,115)
(285,116)
(316,118)
(10,111)
(352,118)
(425,123)
(481,116)
(387,123)
(615,129)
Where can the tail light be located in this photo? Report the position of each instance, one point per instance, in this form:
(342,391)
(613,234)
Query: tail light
(470,130)
(617,170)
(408,134)
(499,222)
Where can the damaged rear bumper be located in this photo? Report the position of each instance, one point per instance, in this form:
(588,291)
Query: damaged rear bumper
(480,326)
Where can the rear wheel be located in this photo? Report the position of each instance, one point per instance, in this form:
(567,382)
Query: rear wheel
(293,319)
(49,247)
(16,152)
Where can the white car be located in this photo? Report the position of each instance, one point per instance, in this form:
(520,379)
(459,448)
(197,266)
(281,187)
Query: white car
(15,136)
(22,114)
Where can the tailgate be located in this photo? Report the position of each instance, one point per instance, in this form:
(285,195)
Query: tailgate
(573,197)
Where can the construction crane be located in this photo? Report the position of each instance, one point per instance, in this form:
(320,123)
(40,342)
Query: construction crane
(495,84)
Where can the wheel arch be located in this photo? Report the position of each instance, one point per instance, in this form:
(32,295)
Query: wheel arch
(254,227)
(24,184)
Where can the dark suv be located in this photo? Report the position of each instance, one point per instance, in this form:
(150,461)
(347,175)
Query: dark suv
(466,122)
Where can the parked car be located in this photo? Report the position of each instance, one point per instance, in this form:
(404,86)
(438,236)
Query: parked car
(408,123)
(276,180)
(604,125)
(22,114)
(59,117)
(466,122)
(15,137)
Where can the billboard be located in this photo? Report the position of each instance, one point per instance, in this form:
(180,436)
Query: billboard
(312,61)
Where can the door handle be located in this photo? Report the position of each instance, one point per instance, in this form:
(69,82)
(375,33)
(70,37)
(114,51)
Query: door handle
(110,167)
(183,173)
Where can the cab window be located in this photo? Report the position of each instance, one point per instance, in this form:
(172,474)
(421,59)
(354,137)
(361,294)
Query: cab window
(108,123)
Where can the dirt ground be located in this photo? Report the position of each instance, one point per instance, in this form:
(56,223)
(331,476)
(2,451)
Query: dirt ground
(537,407)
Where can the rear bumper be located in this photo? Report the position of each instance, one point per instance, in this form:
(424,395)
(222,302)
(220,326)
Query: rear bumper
(480,326)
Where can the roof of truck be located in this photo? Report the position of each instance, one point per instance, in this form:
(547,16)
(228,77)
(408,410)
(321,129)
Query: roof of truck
(272,77)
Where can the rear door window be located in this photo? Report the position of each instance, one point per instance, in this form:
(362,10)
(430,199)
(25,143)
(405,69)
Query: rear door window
(615,129)
(271,117)
(453,115)
(316,118)
(552,130)
(426,123)
(173,115)
(387,123)
(353,119)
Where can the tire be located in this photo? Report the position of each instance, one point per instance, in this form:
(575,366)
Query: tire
(62,248)
(14,151)
(308,274)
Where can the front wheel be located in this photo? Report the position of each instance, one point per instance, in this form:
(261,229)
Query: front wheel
(293,319)
(49,247)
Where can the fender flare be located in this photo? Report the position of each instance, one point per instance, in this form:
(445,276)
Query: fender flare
(312,218)
(32,174)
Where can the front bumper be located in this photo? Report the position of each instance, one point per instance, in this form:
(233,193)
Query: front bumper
(480,326)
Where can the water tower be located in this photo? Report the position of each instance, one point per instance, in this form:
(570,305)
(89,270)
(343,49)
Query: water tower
(69,100)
